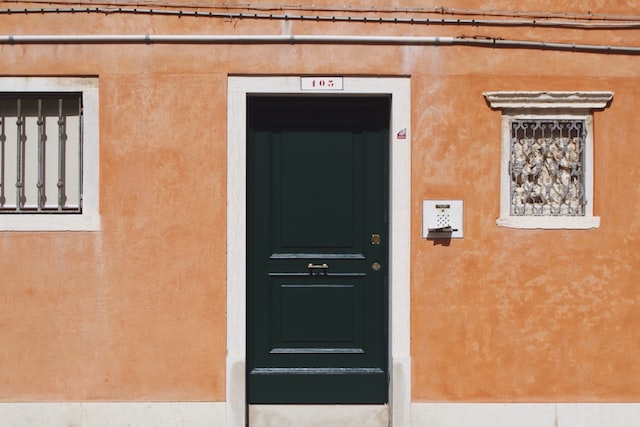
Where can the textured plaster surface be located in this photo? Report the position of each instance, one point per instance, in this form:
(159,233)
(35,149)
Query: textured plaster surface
(136,311)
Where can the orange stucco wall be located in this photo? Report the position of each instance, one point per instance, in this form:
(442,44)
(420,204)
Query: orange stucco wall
(137,310)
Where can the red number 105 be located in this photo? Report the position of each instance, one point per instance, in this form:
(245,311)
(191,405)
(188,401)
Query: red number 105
(322,83)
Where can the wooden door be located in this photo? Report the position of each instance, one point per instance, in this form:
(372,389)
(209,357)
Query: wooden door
(317,233)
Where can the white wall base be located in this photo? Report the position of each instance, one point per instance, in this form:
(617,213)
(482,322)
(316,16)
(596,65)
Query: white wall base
(525,414)
(144,414)
(212,414)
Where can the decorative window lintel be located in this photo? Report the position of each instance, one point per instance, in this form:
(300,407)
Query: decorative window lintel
(549,100)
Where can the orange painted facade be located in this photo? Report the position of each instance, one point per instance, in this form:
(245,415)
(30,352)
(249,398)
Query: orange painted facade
(137,310)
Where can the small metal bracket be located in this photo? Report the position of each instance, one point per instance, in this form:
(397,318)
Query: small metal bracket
(447,229)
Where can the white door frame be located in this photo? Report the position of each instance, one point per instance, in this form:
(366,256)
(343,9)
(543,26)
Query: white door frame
(399,88)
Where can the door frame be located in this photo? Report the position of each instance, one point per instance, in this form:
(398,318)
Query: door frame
(399,88)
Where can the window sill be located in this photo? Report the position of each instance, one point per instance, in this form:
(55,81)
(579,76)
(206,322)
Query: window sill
(550,222)
(52,222)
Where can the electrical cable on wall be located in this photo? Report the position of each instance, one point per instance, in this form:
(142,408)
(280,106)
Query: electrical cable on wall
(626,25)
(440,11)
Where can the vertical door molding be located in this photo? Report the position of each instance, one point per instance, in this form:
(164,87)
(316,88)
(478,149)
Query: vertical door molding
(399,246)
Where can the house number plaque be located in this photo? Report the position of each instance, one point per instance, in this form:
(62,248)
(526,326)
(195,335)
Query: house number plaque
(321,83)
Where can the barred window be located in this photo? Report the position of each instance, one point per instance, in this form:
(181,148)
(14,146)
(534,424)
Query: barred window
(546,177)
(40,153)
(49,154)
(546,167)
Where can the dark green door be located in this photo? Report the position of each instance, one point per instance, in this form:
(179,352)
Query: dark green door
(317,249)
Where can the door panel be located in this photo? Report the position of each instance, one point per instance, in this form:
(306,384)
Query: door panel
(308,315)
(317,209)
(317,192)
(323,316)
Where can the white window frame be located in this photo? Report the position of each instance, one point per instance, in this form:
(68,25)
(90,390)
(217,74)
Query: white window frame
(89,219)
(562,106)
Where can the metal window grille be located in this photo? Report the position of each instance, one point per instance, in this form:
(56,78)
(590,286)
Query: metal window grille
(547,167)
(40,153)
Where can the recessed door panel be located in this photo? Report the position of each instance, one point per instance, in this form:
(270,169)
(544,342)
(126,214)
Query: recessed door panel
(318,211)
(312,314)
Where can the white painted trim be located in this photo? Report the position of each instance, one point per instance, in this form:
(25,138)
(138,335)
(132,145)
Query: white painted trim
(525,414)
(113,414)
(399,247)
(89,220)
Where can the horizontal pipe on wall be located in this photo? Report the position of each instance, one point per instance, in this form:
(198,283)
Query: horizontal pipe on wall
(313,39)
